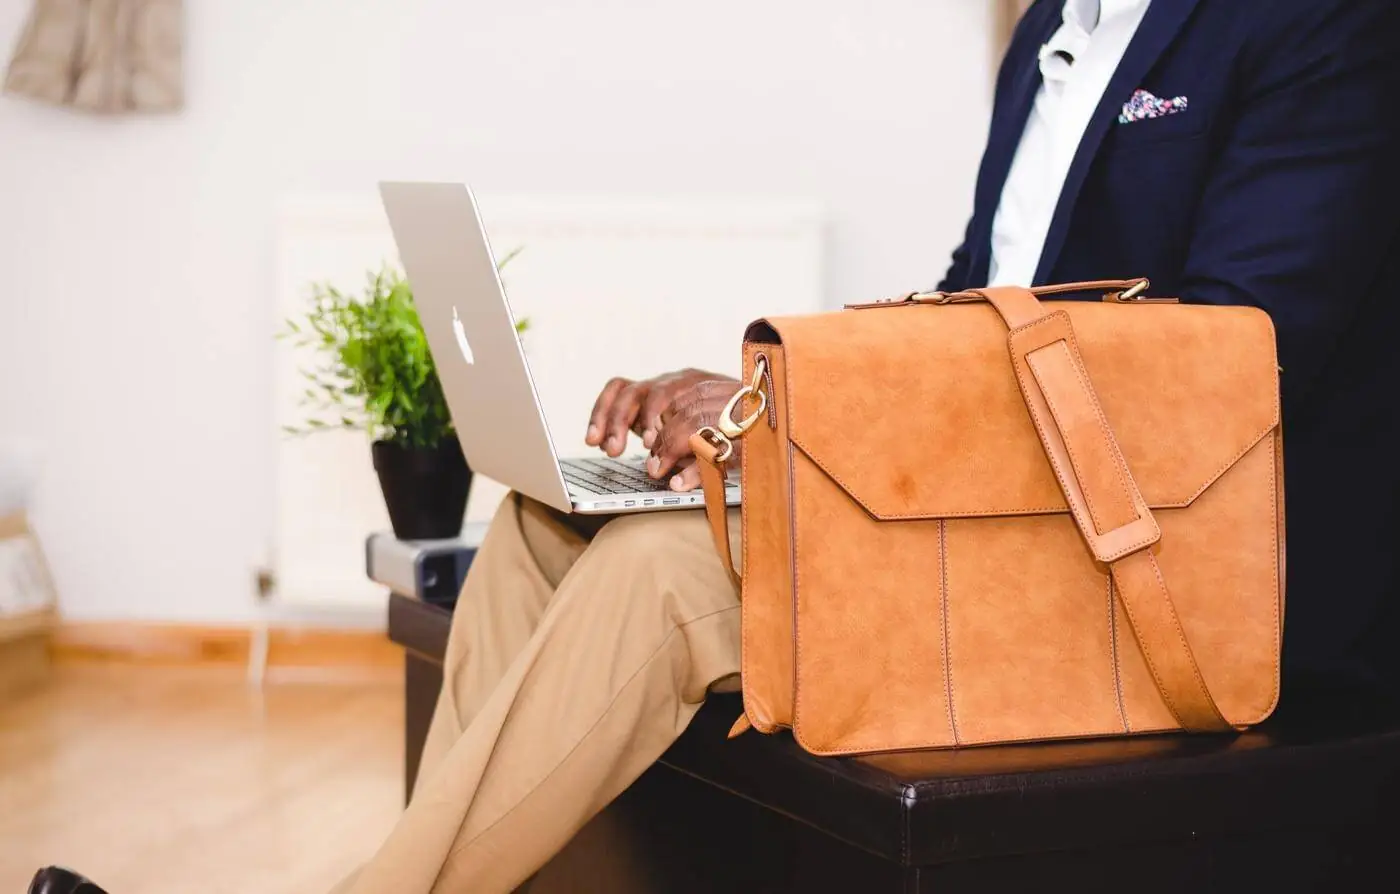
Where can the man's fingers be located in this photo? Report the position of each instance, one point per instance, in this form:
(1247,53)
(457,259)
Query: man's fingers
(687,478)
(672,443)
(681,403)
(597,420)
(662,392)
(649,418)
(619,418)
(675,403)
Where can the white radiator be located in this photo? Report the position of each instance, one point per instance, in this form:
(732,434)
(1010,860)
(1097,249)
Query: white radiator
(611,287)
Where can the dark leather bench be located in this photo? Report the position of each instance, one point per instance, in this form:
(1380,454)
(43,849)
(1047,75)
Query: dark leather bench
(1305,803)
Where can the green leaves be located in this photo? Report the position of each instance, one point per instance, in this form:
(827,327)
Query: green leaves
(376,373)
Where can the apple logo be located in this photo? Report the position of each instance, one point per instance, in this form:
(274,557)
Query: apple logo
(462,342)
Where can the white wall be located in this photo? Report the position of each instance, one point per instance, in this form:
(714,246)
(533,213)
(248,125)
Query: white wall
(138,253)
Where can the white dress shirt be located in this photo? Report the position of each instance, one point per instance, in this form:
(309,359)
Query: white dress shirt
(1075,66)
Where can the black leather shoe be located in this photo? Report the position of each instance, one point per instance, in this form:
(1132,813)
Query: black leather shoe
(56,880)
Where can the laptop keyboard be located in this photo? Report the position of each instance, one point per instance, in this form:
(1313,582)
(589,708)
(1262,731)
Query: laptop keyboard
(612,476)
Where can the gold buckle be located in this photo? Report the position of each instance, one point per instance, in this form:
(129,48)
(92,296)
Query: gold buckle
(1130,293)
(754,389)
(719,441)
(942,298)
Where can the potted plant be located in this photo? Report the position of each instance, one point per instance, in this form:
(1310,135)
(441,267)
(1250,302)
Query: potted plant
(375,374)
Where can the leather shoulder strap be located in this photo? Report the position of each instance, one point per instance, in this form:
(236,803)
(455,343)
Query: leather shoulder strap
(712,473)
(1107,506)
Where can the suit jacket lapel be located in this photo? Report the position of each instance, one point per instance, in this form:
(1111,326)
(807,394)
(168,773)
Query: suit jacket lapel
(1160,26)
(1004,137)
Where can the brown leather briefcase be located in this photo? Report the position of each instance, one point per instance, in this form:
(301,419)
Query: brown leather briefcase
(976,517)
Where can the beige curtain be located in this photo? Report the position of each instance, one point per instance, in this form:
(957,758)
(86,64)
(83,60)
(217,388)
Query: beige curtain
(108,56)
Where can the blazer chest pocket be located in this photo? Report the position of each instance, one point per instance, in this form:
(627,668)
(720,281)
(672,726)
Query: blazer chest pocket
(1190,121)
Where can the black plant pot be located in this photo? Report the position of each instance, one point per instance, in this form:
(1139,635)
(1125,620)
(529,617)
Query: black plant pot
(425,488)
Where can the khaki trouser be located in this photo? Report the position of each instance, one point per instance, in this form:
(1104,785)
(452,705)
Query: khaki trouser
(579,652)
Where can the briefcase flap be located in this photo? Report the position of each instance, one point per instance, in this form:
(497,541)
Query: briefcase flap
(914,410)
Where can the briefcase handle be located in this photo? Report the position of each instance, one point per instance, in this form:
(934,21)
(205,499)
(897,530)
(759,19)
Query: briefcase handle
(1117,291)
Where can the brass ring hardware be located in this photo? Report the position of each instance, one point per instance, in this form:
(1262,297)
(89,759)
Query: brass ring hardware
(733,429)
(726,446)
(760,367)
(754,389)
(1132,292)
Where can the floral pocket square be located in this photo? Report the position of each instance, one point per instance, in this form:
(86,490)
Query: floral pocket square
(1144,105)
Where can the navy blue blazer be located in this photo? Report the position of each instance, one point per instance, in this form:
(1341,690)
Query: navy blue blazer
(1278,187)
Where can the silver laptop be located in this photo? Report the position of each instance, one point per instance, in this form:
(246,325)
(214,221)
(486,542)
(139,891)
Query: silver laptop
(485,377)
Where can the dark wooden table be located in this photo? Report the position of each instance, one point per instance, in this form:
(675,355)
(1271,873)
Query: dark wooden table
(1298,805)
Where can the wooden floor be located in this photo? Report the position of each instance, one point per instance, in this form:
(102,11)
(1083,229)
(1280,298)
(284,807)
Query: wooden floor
(155,780)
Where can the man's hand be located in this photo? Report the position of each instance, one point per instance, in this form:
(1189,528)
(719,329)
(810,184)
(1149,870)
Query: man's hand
(665,411)
(689,410)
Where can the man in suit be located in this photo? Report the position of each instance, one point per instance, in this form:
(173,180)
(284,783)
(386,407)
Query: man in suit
(1234,151)
(1273,181)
